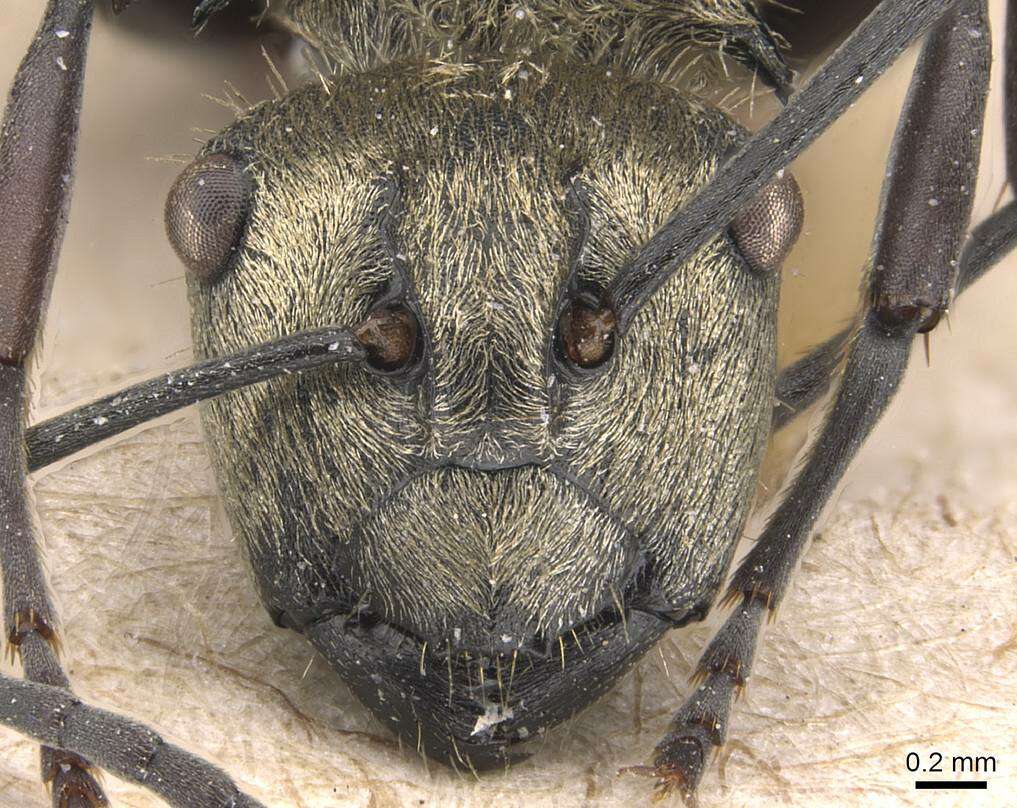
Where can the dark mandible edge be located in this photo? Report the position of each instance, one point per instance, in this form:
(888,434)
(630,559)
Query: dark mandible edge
(36,161)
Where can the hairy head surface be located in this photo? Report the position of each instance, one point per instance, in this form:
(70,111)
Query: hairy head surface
(496,498)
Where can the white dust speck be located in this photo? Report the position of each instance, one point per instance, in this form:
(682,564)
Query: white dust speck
(493,715)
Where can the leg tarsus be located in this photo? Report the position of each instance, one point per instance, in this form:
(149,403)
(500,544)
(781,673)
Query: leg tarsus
(731,651)
(680,761)
(71,778)
(71,781)
(30,621)
(702,721)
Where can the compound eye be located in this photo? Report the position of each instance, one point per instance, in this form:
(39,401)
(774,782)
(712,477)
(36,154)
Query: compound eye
(768,227)
(392,338)
(206,213)
(587,334)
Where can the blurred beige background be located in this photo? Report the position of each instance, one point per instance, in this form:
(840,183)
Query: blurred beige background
(900,634)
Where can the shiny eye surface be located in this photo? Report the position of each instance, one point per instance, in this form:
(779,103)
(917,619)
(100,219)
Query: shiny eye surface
(768,227)
(392,338)
(206,213)
(587,334)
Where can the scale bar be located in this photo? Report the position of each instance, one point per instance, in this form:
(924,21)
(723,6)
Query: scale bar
(980,784)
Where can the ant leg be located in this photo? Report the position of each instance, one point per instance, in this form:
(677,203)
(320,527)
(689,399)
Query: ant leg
(997,235)
(990,242)
(37,146)
(857,63)
(29,617)
(926,211)
(802,384)
(807,380)
(130,750)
